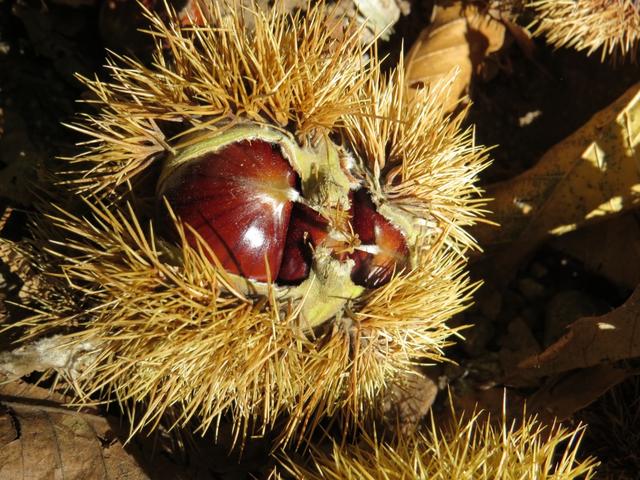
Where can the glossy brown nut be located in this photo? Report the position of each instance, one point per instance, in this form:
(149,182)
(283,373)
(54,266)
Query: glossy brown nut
(388,250)
(307,229)
(239,200)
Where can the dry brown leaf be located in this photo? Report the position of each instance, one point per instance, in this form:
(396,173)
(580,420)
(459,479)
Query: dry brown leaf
(457,40)
(563,396)
(81,444)
(590,175)
(610,248)
(43,440)
(592,341)
(19,390)
(409,400)
(558,399)
(495,403)
(161,456)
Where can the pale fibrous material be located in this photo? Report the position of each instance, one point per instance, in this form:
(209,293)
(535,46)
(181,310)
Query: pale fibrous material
(173,329)
(611,27)
(471,448)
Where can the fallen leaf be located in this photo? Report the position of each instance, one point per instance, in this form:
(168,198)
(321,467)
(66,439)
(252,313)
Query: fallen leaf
(563,396)
(47,441)
(587,177)
(494,403)
(592,341)
(610,248)
(458,39)
(564,308)
(409,400)
(19,390)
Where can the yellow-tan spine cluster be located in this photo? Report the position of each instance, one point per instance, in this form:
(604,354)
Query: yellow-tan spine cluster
(172,328)
(609,26)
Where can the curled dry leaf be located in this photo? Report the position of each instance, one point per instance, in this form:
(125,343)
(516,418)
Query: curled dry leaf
(490,403)
(13,390)
(592,341)
(588,176)
(456,42)
(579,364)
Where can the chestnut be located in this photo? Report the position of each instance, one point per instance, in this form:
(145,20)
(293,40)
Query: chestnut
(249,196)
(383,248)
(239,200)
(307,229)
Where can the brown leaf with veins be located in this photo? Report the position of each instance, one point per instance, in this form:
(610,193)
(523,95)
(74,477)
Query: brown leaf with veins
(590,175)
(40,439)
(592,341)
(564,395)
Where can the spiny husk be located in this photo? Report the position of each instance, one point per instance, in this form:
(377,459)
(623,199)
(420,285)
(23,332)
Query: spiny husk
(286,71)
(421,161)
(611,26)
(174,333)
(182,335)
(470,449)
